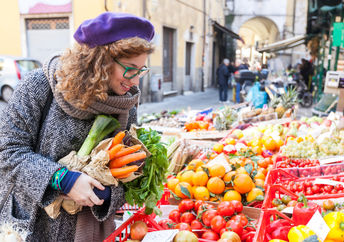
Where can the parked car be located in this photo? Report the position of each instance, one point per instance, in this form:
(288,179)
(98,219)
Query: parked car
(12,70)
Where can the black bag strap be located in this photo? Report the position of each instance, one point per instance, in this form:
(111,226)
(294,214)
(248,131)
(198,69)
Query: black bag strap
(44,115)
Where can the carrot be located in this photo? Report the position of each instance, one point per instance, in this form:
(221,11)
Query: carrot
(127,151)
(114,150)
(124,176)
(124,160)
(117,139)
(118,172)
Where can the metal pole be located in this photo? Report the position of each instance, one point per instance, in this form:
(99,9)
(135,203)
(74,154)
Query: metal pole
(203,51)
(329,57)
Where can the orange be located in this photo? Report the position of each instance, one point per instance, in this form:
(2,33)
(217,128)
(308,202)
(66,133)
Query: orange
(172,183)
(263,163)
(194,164)
(257,150)
(217,170)
(262,170)
(228,176)
(218,148)
(187,176)
(260,183)
(232,195)
(200,178)
(243,183)
(260,175)
(216,185)
(201,193)
(241,170)
(253,194)
(183,190)
(299,139)
(279,143)
(212,156)
(270,144)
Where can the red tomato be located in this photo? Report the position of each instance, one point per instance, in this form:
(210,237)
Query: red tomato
(187,217)
(195,224)
(204,207)
(210,235)
(235,226)
(238,207)
(183,226)
(167,223)
(174,215)
(186,205)
(198,203)
(208,215)
(240,218)
(217,223)
(225,208)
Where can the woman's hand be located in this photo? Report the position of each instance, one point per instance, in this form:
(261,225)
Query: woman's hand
(82,191)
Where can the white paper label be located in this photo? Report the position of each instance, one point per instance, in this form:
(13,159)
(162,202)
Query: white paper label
(288,210)
(161,236)
(327,182)
(331,160)
(319,226)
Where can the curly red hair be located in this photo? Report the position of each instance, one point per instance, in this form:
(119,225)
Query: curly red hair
(84,73)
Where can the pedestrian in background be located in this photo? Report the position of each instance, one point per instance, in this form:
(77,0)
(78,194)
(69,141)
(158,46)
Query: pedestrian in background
(51,113)
(222,77)
(232,69)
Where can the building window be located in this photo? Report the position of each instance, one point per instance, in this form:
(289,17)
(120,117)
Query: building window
(47,23)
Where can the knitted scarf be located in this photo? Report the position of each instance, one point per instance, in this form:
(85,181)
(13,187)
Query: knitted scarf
(113,105)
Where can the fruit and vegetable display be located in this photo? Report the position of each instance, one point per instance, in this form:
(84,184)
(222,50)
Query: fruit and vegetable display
(290,172)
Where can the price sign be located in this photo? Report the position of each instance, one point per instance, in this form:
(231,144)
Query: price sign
(161,236)
(319,226)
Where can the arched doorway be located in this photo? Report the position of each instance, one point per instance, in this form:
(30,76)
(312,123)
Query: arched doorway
(255,32)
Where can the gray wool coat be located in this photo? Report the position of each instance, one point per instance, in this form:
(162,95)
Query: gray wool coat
(31,172)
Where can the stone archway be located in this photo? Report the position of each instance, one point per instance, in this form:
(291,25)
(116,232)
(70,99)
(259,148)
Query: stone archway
(255,32)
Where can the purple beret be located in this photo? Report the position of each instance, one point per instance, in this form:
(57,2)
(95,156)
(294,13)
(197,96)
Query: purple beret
(109,27)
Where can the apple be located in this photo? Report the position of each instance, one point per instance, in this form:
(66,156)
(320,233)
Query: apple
(327,123)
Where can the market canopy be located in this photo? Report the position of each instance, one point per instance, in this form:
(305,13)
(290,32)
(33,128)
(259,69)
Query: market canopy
(284,44)
(226,30)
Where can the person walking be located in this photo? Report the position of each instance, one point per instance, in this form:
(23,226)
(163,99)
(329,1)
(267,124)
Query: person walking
(51,113)
(222,77)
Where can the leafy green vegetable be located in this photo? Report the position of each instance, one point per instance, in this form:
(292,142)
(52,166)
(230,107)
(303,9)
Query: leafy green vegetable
(148,188)
(103,125)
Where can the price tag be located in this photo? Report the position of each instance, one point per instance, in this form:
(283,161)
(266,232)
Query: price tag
(327,182)
(288,210)
(161,236)
(319,226)
(331,160)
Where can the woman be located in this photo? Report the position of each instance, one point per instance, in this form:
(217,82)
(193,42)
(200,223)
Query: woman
(99,75)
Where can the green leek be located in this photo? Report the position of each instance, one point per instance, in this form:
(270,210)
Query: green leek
(102,126)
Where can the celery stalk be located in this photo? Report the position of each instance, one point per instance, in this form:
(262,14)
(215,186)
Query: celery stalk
(102,126)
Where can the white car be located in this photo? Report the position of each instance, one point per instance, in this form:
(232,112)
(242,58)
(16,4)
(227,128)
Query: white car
(12,70)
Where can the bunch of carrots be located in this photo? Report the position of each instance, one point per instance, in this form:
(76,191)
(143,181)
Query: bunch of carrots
(120,156)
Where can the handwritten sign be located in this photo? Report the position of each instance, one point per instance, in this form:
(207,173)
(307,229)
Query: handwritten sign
(161,236)
(327,182)
(331,160)
(319,226)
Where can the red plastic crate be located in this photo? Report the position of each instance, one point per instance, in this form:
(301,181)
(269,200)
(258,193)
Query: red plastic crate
(278,191)
(266,217)
(122,232)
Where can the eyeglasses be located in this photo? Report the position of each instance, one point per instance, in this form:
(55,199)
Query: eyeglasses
(131,72)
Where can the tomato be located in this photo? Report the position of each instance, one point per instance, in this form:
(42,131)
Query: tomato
(238,207)
(138,230)
(183,226)
(195,224)
(328,205)
(167,223)
(210,235)
(185,205)
(235,226)
(225,208)
(208,215)
(204,207)
(217,223)
(197,204)
(187,217)
(174,215)
(315,189)
(240,218)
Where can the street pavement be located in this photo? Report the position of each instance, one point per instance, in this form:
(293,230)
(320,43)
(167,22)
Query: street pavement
(198,100)
(190,100)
